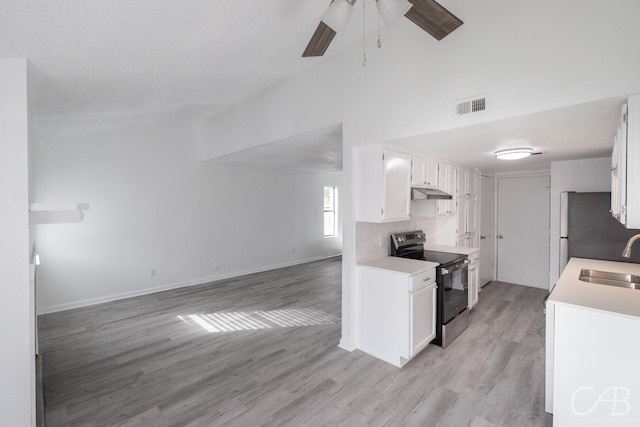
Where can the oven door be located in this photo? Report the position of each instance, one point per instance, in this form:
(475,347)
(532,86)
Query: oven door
(454,290)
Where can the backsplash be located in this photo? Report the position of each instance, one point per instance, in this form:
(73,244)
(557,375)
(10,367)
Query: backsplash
(369,236)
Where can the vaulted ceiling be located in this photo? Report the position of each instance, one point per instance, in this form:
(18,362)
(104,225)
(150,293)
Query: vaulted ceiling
(99,66)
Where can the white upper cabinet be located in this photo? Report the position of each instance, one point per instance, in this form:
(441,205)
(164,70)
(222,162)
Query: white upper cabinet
(382,184)
(447,183)
(467,219)
(618,169)
(424,172)
(466,183)
(625,166)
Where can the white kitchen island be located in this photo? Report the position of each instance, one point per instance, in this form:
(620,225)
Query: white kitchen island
(593,348)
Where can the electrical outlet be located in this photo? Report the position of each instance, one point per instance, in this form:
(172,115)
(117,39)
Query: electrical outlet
(293,251)
(152,272)
(216,267)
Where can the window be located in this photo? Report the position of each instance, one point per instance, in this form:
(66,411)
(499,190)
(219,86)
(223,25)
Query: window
(330,211)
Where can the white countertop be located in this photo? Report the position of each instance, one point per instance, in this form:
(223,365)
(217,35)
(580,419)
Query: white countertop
(570,290)
(451,249)
(401,265)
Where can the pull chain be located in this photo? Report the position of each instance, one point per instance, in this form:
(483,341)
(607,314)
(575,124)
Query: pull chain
(364,45)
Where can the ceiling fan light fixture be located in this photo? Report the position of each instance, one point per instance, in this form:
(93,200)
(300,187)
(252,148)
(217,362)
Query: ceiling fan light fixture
(392,10)
(513,153)
(338,14)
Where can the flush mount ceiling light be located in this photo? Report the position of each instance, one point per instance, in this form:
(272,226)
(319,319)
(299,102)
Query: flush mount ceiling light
(514,153)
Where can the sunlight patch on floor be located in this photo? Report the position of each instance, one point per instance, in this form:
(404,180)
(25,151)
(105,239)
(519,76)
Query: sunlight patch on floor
(254,320)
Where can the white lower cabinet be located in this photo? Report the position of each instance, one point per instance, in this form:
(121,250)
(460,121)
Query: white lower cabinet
(474,278)
(594,378)
(396,313)
(422,305)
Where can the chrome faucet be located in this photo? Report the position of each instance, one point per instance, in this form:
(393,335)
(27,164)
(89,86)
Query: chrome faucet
(627,249)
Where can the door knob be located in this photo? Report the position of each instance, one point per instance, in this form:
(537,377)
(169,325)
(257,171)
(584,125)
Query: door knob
(500,236)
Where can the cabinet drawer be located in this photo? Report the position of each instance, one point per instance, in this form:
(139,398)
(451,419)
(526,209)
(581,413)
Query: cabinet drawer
(421,280)
(474,258)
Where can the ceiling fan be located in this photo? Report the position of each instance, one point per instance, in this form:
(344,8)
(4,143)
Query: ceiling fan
(426,14)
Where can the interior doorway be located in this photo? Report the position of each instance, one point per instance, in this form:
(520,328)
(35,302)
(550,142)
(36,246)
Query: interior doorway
(523,230)
(487,232)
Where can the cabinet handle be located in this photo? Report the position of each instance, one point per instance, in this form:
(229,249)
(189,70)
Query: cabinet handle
(426,279)
(483,237)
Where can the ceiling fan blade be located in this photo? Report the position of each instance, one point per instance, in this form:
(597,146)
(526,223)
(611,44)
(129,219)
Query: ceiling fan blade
(433,18)
(333,21)
(320,41)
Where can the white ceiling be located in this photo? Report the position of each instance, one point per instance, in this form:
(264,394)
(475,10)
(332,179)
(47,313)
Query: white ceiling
(577,132)
(99,66)
(318,151)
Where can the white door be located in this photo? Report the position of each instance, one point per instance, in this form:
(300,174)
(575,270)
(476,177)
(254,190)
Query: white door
(487,234)
(523,231)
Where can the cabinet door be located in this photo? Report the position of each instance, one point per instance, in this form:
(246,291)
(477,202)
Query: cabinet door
(447,183)
(466,183)
(461,187)
(471,214)
(424,173)
(396,192)
(443,180)
(431,174)
(622,167)
(422,318)
(418,172)
(615,190)
(461,215)
(473,285)
(453,179)
(443,177)
(472,183)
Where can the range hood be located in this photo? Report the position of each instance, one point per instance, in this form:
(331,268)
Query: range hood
(429,194)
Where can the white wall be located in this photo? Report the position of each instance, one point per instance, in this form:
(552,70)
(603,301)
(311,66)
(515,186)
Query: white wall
(155,205)
(572,175)
(372,239)
(409,85)
(17,357)
(524,58)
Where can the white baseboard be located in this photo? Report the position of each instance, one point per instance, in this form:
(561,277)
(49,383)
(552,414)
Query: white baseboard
(168,287)
(347,346)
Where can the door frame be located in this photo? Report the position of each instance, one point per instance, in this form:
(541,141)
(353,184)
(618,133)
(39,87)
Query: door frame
(494,221)
(507,175)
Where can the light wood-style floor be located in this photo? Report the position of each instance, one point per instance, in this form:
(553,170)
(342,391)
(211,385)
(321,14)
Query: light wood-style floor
(166,360)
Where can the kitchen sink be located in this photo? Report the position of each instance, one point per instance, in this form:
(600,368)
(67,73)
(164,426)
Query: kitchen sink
(611,279)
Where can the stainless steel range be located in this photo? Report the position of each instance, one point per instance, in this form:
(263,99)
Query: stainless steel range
(452,315)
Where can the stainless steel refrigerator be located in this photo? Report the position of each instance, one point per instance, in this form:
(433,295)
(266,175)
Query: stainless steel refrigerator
(587,229)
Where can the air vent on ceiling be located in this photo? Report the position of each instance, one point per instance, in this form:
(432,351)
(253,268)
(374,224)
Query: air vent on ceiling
(471,105)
